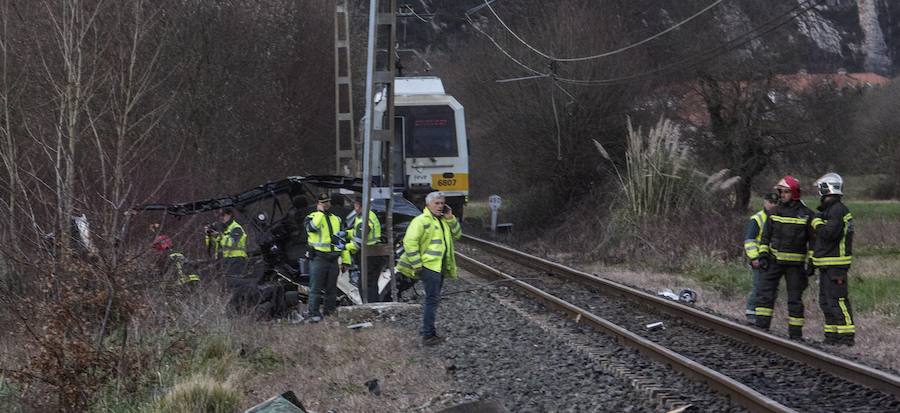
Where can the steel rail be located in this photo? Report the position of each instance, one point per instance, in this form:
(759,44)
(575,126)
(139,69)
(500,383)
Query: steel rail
(849,370)
(739,392)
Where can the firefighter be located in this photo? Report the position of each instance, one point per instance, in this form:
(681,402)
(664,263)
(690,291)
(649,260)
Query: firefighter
(783,248)
(351,255)
(325,245)
(185,273)
(832,256)
(428,254)
(753,233)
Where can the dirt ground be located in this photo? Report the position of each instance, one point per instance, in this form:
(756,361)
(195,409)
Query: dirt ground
(328,367)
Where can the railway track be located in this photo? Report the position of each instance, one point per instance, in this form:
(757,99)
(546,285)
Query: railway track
(759,371)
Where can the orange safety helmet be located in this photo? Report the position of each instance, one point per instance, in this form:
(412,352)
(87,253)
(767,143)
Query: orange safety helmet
(791,183)
(162,243)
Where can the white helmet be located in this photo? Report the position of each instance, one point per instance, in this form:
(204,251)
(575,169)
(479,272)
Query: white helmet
(830,184)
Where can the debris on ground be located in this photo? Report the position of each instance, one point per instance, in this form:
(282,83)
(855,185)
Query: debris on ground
(367,324)
(283,403)
(374,387)
(655,326)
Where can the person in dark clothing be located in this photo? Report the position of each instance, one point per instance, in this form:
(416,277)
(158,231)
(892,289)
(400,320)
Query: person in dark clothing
(752,235)
(783,248)
(832,256)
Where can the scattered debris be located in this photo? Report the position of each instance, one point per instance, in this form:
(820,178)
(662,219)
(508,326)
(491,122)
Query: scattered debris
(668,294)
(655,326)
(367,324)
(284,403)
(374,387)
(685,295)
(688,296)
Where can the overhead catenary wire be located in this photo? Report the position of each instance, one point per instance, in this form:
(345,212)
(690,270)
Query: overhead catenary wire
(737,42)
(604,54)
(726,47)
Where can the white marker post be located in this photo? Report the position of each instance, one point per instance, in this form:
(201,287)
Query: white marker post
(494,202)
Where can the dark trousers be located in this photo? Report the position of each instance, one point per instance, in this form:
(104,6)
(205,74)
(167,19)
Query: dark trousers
(796,281)
(234,266)
(373,266)
(323,273)
(835,303)
(751,299)
(433,282)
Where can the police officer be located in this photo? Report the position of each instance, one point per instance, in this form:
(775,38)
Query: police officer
(428,255)
(231,244)
(832,255)
(324,247)
(783,247)
(374,264)
(752,234)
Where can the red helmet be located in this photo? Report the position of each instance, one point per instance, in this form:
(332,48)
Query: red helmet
(790,183)
(162,243)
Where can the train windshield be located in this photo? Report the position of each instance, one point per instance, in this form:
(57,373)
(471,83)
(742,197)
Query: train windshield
(430,131)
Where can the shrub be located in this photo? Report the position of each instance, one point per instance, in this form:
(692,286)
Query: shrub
(201,393)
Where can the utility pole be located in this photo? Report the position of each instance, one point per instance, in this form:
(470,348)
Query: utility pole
(379,76)
(345,143)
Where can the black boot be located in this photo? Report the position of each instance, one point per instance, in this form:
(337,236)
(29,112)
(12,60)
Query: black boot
(847,340)
(763,322)
(831,339)
(795,332)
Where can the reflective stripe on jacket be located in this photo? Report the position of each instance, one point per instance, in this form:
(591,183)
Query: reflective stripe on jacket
(753,234)
(321,228)
(787,234)
(354,233)
(183,269)
(233,241)
(834,236)
(428,243)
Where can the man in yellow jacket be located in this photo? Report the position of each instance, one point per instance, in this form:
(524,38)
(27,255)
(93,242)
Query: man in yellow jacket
(428,255)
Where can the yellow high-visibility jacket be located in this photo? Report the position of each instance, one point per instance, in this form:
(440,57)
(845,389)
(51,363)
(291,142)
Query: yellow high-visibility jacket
(233,241)
(428,243)
(354,234)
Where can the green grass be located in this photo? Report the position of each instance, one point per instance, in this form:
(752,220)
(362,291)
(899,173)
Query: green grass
(731,278)
(875,295)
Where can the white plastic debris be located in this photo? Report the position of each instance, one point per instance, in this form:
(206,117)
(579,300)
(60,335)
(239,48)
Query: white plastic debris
(655,326)
(668,294)
(367,324)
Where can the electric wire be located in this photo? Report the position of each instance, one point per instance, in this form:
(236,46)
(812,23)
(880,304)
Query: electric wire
(713,53)
(604,54)
(726,47)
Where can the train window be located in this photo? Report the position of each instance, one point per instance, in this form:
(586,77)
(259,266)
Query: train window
(430,131)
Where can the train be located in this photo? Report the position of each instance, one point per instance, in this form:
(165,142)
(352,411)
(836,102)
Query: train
(430,147)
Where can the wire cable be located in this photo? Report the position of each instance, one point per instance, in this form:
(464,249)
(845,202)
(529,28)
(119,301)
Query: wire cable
(604,54)
(717,51)
(502,50)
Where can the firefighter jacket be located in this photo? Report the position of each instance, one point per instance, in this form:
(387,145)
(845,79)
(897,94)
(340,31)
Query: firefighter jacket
(787,234)
(428,243)
(321,229)
(834,235)
(753,233)
(233,241)
(184,269)
(354,233)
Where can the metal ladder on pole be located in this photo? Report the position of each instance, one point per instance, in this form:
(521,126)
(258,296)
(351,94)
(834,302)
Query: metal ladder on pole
(345,142)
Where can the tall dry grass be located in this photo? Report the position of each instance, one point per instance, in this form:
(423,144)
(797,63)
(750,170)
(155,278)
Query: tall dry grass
(659,176)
